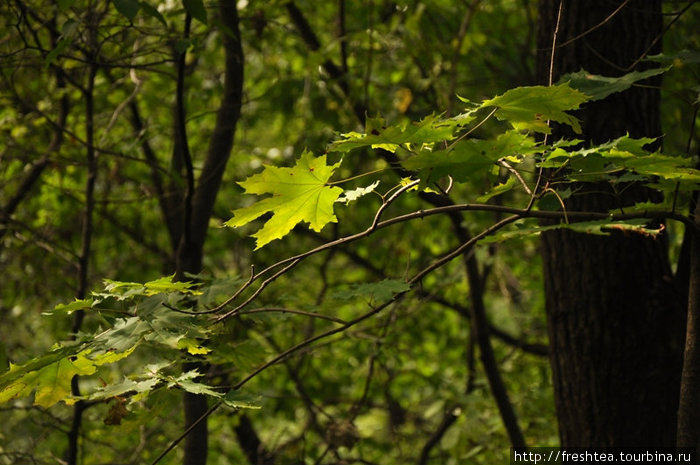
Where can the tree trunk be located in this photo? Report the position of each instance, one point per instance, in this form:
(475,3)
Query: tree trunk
(201,204)
(615,320)
(689,408)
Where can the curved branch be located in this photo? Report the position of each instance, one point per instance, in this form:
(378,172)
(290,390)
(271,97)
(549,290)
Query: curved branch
(293,261)
(517,213)
(375,310)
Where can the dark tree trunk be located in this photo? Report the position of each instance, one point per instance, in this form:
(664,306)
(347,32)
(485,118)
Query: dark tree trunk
(689,408)
(200,204)
(615,320)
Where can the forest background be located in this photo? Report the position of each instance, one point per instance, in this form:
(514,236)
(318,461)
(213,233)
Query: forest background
(411,320)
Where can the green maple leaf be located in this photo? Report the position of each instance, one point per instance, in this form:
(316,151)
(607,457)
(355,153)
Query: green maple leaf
(50,376)
(470,158)
(598,87)
(531,107)
(429,130)
(300,193)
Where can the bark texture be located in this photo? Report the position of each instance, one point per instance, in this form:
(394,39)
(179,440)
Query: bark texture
(689,408)
(615,319)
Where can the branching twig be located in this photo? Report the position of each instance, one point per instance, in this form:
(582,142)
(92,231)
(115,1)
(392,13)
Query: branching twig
(519,213)
(585,33)
(415,279)
(293,261)
(550,80)
(307,342)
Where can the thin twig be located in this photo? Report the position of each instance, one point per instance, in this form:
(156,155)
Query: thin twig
(292,261)
(540,173)
(184,434)
(292,311)
(513,171)
(658,37)
(461,34)
(521,213)
(588,31)
(466,134)
(414,280)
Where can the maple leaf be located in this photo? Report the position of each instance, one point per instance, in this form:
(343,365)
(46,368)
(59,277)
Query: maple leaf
(598,87)
(299,194)
(50,376)
(429,130)
(51,382)
(529,108)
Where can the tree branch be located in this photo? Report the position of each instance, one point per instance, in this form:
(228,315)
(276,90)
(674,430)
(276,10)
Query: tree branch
(460,250)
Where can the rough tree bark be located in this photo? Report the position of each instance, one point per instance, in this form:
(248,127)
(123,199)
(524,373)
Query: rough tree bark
(689,408)
(615,319)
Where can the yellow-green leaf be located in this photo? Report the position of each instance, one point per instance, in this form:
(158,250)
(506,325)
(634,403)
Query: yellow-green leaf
(300,193)
(192,346)
(50,376)
(78,304)
(51,383)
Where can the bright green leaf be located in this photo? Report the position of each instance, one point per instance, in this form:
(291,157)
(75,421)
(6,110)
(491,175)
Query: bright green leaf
(615,157)
(51,383)
(166,284)
(192,346)
(111,356)
(234,399)
(186,383)
(299,194)
(78,304)
(17,372)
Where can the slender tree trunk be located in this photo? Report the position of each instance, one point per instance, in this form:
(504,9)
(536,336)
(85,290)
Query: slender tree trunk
(200,202)
(615,320)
